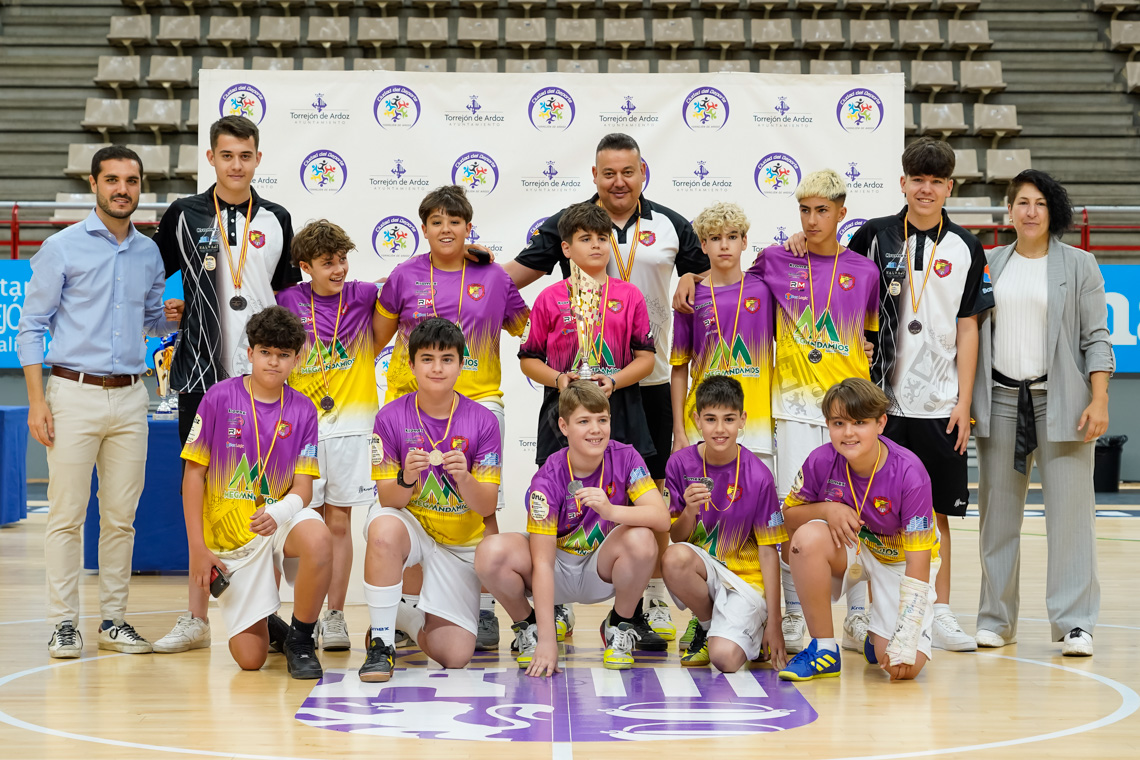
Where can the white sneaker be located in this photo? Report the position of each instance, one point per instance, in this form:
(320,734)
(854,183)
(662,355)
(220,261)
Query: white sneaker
(66,643)
(526,641)
(794,627)
(333,632)
(949,635)
(188,633)
(990,640)
(121,637)
(855,631)
(660,621)
(1077,643)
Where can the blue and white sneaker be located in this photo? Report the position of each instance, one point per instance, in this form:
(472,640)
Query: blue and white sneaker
(869,651)
(811,663)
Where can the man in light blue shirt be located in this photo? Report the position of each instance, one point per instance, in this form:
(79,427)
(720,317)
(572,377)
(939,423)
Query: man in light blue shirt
(96,287)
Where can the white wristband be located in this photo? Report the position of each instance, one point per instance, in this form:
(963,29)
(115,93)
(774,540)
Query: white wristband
(285,510)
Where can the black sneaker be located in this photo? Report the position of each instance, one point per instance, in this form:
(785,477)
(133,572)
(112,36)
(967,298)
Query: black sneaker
(301,657)
(648,640)
(278,633)
(379,662)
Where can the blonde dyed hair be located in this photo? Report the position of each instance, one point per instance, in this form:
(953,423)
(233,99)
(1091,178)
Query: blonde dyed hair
(825,183)
(720,218)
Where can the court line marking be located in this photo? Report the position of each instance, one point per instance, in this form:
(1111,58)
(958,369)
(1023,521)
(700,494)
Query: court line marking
(1130,702)
(89,617)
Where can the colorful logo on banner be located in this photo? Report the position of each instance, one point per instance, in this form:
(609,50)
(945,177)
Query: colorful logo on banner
(581,705)
(848,229)
(476,172)
(243,100)
(777,175)
(382,362)
(533,229)
(396,107)
(645,164)
(705,108)
(324,171)
(395,237)
(551,108)
(859,110)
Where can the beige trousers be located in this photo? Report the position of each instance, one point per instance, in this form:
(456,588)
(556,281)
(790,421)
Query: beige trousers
(104,428)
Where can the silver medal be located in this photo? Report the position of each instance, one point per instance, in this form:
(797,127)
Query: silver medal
(574,487)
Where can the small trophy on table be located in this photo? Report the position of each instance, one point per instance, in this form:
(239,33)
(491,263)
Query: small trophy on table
(585,305)
(163,359)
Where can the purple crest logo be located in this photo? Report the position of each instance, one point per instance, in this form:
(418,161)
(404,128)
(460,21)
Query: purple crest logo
(582,705)
(395,236)
(396,107)
(477,172)
(848,229)
(243,100)
(533,230)
(551,108)
(705,108)
(324,171)
(859,110)
(777,175)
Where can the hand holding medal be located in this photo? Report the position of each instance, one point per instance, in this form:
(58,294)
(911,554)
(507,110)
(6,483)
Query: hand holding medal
(435,457)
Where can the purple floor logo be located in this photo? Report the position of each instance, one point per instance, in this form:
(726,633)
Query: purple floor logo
(551,108)
(777,175)
(477,172)
(396,107)
(243,100)
(848,229)
(324,171)
(579,705)
(859,110)
(705,108)
(396,237)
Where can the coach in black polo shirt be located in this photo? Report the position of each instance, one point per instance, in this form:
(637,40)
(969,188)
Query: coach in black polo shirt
(647,241)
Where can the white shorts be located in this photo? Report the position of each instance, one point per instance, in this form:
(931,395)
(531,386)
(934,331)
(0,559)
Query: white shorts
(496,408)
(794,441)
(451,587)
(739,611)
(346,472)
(886,580)
(252,594)
(576,578)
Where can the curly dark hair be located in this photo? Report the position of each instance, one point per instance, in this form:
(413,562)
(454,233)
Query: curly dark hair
(276,327)
(317,239)
(1056,198)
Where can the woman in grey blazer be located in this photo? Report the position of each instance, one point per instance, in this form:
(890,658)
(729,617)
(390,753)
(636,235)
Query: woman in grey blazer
(1041,395)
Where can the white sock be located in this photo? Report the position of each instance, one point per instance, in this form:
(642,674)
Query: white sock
(656,591)
(857,599)
(382,601)
(705,624)
(487,602)
(412,599)
(409,619)
(828,644)
(791,598)
(942,609)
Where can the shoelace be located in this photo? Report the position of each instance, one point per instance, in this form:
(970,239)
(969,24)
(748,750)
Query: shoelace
(126,631)
(949,622)
(658,614)
(700,636)
(623,640)
(378,654)
(1077,633)
(66,636)
(336,625)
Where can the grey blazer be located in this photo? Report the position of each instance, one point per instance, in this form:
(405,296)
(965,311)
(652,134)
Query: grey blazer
(1077,339)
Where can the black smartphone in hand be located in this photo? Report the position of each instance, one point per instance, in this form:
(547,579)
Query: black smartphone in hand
(219,582)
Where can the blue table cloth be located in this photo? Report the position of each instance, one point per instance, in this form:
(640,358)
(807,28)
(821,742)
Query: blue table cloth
(13,464)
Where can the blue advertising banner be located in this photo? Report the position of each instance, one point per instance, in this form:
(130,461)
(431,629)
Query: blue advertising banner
(1122,289)
(14,276)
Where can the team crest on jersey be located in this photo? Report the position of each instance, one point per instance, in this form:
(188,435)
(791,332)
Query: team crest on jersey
(734,493)
(647,238)
(609,489)
(882,504)
(942,267)
(614,306)
(475,291)
(256,238)
(751,305)
(459,442)
(284,429)
(846,281)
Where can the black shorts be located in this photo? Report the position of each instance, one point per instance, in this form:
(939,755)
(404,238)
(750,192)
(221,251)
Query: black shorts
(659,416)
(187,409)
(929,441)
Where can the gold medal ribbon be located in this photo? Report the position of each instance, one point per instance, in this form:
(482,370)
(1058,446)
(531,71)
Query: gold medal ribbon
(263,464)
(735,323)
(626,268)
(317,338)
(930,262)
(450,415)
(462,284)
(735,484)
(851,485)
(235,274)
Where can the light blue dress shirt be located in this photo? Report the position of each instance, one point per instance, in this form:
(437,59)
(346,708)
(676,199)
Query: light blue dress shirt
(97,297)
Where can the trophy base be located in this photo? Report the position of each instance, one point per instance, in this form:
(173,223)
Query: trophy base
(585,372)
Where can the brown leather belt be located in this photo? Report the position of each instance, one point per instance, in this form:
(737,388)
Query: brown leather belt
(104,381)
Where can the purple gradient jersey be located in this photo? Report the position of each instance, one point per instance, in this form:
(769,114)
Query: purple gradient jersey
(553,511)
(743,515)
(435,502)
(222,439)
(553,337)
(899,510)
(490,303)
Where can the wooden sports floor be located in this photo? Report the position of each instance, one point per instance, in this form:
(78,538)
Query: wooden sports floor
(1023,701)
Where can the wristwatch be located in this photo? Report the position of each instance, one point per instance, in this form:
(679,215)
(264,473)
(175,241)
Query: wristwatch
(400,480)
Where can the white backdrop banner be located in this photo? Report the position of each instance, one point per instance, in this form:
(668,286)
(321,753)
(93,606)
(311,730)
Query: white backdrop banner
(363,148)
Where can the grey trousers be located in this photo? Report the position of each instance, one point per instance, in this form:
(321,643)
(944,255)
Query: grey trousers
(1072,592)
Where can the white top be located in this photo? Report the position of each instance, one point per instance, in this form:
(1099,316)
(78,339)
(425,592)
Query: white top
(1021,301)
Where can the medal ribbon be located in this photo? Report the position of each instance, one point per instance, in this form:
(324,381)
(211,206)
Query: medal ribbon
(262,465)
(462,285)
(851,486)
(735,484)
(317,338)
(624,268)
(930,264)
(601,476)
(235,275)
(830,290)
(450,415)
(736,322)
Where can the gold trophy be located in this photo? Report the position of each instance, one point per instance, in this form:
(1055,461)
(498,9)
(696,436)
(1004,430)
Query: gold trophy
(585,303)
(163,359)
